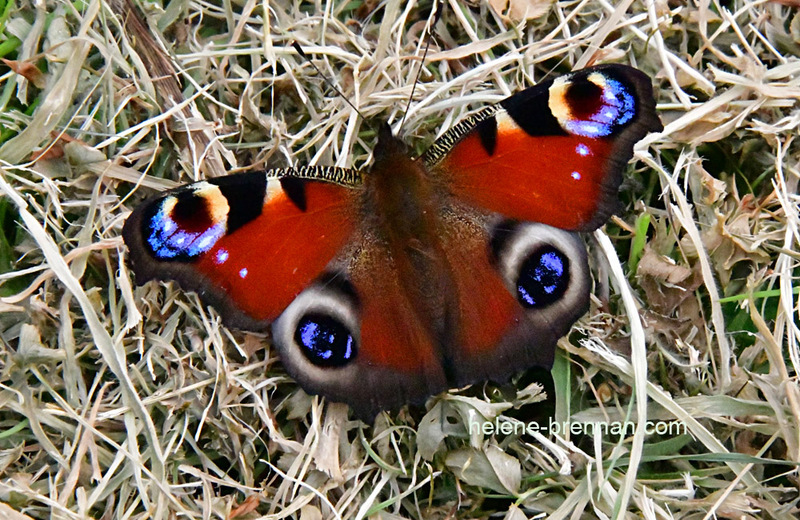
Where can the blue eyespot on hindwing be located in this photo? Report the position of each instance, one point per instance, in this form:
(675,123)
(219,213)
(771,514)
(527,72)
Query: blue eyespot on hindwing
(324,340)
(543,277)
(320,329)
(541,266)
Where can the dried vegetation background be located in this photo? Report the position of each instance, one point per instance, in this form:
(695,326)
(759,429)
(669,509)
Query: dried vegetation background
(131,402)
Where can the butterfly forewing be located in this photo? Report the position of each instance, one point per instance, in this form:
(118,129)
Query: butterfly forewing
(247,243)
(553,153)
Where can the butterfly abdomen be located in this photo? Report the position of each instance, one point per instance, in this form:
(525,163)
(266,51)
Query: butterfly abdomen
(405,203)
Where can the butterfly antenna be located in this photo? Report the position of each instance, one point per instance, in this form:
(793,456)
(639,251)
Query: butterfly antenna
(303,55)
(437,16)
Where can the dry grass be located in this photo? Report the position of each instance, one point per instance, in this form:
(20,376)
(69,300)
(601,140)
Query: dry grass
(133,402)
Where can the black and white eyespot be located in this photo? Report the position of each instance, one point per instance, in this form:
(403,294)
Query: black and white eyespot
(541,265)
(320,330)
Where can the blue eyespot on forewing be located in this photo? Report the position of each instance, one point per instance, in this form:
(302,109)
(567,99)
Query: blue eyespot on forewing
(591,105)
(183,225)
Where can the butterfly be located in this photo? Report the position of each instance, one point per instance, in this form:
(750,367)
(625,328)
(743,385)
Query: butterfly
(386,286)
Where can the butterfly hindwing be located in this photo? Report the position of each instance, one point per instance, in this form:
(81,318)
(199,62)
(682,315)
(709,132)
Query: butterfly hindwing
(520,287)
(247,243)
(355,336)
(553,153)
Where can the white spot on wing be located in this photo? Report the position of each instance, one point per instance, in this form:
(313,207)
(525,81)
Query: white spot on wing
(216,202)
(505,123)
(274,190)
(557,100)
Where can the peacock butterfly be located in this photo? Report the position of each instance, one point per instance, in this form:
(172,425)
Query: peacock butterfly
(386,286)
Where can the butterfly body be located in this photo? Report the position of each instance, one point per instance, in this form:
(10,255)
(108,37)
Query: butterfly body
(420,274)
